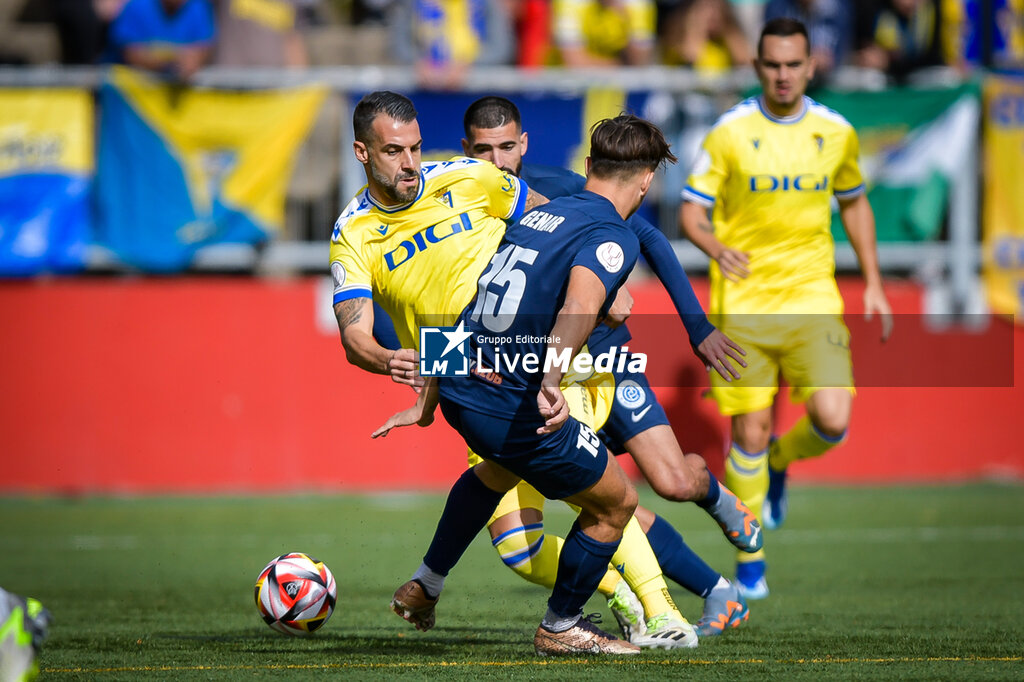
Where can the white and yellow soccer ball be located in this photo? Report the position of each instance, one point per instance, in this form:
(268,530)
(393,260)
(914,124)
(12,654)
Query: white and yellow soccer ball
(295,594)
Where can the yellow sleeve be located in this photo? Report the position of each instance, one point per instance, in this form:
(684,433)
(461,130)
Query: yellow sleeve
(849,181)
(349,271)
(710,170)
(506,194)
(642,18)
(567,22)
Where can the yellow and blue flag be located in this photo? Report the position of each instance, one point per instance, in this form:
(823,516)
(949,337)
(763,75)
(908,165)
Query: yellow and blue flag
(46,170)
(185,168)
(1003,219)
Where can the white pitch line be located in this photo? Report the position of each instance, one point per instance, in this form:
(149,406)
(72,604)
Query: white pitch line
(548,663)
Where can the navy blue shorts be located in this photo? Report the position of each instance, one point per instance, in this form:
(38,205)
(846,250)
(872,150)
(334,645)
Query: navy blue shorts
(558,464)
(634,410)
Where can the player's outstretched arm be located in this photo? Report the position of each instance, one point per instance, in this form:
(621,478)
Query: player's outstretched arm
(859,222)
(716,350)
(693,218)
(576,320)
(421,413)
(355,322)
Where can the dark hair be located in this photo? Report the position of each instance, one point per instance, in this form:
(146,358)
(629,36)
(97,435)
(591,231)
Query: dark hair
(491,112)
(783,27)
(398,107)
(622,146)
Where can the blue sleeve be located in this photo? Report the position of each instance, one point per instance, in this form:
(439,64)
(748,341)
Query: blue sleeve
(126,28)
(203,28)
(520,206)
(610,254)
(383,329)
(656,248)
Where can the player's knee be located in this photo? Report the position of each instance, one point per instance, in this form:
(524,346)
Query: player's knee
(752,435)
(678,485)
(624,511)
(832,427)
(616,513)
(829,412)
(680,480)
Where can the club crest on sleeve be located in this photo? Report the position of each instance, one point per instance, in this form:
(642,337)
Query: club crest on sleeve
(610,256)
(338,274)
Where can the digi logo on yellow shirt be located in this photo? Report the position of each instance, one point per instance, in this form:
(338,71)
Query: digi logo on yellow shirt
(805,182)
(420,241)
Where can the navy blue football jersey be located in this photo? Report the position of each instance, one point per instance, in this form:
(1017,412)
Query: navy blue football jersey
(655,247)
(552,181)
(522,290)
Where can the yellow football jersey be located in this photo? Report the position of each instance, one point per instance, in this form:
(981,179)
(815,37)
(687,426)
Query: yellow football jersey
(421,260)
(771,181)
(449,30)
(603,29)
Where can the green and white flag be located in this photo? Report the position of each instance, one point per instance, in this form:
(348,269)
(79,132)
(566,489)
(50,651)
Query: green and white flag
(913,144)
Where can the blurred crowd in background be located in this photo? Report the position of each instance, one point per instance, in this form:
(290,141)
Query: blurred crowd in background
(213,142)
(443,38)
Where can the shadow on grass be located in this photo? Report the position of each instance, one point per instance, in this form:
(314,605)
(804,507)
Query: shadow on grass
(446,643)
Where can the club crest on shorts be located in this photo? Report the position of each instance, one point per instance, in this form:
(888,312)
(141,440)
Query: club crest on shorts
(630,394)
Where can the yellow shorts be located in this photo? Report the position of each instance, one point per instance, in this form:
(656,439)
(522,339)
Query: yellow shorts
(810,351)
(601,389)
(581,398)
(602,396)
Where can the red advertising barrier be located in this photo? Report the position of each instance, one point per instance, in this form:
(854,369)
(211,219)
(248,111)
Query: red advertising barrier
(241,385)
(931,406)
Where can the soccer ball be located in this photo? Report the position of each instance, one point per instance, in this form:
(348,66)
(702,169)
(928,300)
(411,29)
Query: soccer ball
(295,594)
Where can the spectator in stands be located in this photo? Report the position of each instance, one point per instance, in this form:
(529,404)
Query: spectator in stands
(604,32)
(443,38)
(829,24)
(171,37)
(705,35)
(80,31)
(906,35)
(262,33)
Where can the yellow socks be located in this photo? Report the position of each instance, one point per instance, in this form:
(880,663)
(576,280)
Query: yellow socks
(800,442)
(746,475)
(530,553)
(636,561)
(533,555)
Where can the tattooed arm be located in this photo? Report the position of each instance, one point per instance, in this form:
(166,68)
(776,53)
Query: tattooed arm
(698,228)
(355,322)
(533,200)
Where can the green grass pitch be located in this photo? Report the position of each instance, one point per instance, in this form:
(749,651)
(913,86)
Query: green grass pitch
(867,583)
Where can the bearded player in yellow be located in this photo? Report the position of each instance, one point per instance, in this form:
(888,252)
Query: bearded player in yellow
(768,169)
(416,240)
